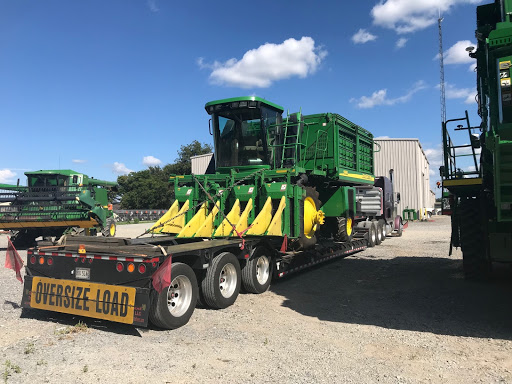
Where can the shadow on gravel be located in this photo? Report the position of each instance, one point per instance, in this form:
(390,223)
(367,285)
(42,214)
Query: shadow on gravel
(64,319)
(409,293)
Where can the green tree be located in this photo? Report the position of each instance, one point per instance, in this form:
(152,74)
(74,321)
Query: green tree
(150,187)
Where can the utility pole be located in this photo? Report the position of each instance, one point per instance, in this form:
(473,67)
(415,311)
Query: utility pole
(441,68)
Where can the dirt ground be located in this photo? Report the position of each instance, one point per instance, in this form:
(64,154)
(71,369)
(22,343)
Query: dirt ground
(397,313)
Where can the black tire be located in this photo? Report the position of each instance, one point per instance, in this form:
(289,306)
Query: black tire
(400,229)
(372,235)
(221,285)
(24,238)
(110,228)
(184,285)
(344,233)
(383,229)
(307,240)
(378,228)
(475,260)
(257,273)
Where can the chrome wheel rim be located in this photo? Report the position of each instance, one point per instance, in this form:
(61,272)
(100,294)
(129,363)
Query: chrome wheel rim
(227,280)
(262,269)
(179,295)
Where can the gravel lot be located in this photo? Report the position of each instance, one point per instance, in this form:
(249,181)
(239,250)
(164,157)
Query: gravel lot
(400,312)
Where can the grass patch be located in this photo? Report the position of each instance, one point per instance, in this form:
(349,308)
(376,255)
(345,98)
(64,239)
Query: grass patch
(79,327)
(29,349)
(10,368)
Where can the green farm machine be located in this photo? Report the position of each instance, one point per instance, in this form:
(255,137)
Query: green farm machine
(53,203)
(299,177)
(480,193)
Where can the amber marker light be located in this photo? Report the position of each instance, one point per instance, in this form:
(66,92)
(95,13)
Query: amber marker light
(131,267)
(41,260)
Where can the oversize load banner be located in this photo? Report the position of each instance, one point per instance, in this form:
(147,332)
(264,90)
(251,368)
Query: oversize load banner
(101,301)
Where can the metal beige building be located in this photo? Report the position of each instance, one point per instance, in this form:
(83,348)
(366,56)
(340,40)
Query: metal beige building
(411,171)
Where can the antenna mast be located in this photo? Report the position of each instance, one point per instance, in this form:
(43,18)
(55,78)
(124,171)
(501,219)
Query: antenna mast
(441,68)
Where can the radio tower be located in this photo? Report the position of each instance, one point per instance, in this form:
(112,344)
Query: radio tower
(441,67)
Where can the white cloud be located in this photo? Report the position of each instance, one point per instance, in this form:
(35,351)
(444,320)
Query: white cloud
(151,161)
(380,97)
(468,94)
(400,43)
(381,137)
(78,161)
(152,5)
(120,169)
(269,62)
(406,16)
(457,53)
(363,36)
(7,176)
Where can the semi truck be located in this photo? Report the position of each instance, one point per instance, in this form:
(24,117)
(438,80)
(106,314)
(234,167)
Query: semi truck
(478,193)
(287,193)
(52,203)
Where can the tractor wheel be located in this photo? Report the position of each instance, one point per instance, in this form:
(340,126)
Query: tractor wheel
(309,225)
(398,226)
(378,227)
(475,260)
(257,273)
(372,234)
(345,230)
(221,284)
(173,307)
(109,229)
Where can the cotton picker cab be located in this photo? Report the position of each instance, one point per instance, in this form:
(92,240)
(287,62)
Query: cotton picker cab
(272,175)
(55,202)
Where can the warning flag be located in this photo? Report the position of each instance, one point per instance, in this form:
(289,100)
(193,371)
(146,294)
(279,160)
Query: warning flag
(162,276)
(13,260)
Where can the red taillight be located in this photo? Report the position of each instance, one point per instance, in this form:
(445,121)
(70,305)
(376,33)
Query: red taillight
(119,267)
(90,260)
(154,264)
(32,259)
(142,268)
(50,261)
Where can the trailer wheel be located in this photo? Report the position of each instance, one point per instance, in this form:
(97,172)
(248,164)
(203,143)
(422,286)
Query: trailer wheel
(383,229)
(378,230)
(221,284)
(309,211)
(475,260)
(173,307)
(257,273)
(372,235)
(109,229)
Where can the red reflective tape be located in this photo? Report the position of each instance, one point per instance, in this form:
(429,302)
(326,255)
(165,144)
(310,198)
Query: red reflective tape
(97,257)
(29,252)
(68,255)
(112,258)
(132,259)
(41,253)
(55,254)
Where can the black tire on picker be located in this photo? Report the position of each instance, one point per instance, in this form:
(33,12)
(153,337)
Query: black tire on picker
(221,285)
(109,229)
(173,307)
(257,272)
(307,240)
(345,230)
(475,259)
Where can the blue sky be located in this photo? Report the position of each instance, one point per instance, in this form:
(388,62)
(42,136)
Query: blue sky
(105,87)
